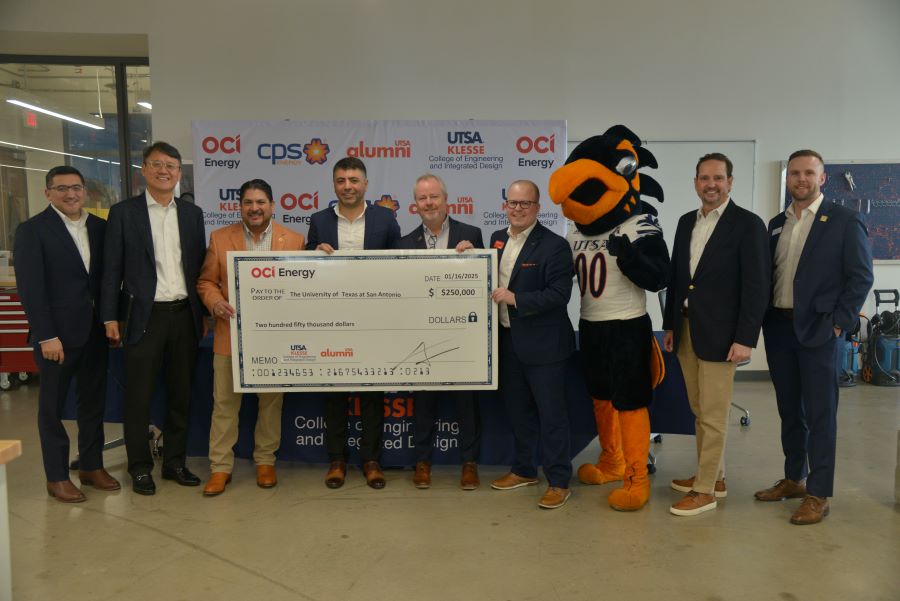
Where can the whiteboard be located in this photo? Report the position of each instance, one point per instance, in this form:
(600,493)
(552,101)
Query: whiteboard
(677,162)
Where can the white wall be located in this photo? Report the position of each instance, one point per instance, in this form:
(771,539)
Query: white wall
(787,73)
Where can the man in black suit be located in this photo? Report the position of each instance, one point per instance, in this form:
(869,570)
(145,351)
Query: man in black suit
(352,224)
(821,275)
(155,245)
(536,339)
(58,259)
(714,308)
(440,231)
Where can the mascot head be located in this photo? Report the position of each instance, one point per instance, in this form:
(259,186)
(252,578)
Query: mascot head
(599,187)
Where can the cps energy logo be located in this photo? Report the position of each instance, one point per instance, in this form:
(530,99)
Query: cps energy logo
(315,152)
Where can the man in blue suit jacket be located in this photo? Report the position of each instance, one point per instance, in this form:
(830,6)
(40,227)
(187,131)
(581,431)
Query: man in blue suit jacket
(440,231)
(822,273)
(536,339)
(715,303)
(353,225)
(58,259)
(155,246)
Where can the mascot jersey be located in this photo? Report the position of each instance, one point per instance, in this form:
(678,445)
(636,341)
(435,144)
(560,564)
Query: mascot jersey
(606,291)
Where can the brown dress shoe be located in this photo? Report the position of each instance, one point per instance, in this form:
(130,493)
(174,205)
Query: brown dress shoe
(265,476)
(554,498)
(694,503)
(374,475)
(511,481)
(469,479)
(216,484)
(422,477)
(65,491)
(99,479)
(687,485)
(337,473)
(811,510)
(783,489)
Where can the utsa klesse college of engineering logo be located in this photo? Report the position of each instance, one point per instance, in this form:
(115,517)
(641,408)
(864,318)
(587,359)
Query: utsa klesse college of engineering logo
(227,146)
(315,152)
(402,149)
(465,150)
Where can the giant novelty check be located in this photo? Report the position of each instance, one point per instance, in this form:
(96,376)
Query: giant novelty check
(350,321)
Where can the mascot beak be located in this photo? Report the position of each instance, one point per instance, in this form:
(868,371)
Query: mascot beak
(570,184)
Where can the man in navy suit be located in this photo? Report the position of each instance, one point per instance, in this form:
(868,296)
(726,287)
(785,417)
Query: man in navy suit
(353,225)
(58,259)
(155,246)
(822,273)
(440,231)
(536,339)
(715,304)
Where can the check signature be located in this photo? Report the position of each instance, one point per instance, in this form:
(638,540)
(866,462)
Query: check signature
(423,354)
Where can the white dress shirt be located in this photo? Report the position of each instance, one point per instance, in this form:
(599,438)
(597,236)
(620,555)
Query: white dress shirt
(788,250)
(510,253)
(78,230)
(170,282)
(704,227)
(351,234)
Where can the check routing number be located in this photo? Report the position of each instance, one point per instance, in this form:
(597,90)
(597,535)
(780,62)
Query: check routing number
(350,321)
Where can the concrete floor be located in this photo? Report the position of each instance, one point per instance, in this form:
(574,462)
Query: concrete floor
(301,540)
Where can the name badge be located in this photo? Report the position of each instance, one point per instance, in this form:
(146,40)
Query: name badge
(776,231)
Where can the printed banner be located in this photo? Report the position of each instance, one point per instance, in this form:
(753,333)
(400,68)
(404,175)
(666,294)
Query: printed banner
(476,159)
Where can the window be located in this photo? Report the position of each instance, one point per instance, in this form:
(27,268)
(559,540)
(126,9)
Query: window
(93,114)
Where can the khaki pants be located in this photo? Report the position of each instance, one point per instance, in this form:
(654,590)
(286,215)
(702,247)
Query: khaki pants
(223,433)
(709,389)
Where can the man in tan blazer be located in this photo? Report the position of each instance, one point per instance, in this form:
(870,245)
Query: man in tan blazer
(255,231)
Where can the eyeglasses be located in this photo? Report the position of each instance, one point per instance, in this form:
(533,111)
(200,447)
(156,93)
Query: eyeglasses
(520,204)
(161,164)
(76,188)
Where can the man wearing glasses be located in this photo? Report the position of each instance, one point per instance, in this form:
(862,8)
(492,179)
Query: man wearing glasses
(536,339)
(58,259)
(155,245)
(439,231)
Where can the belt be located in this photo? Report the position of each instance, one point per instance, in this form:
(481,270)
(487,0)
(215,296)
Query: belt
(783,313)
(175,305)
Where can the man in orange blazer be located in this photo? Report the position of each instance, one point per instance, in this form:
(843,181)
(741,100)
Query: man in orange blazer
(255,231)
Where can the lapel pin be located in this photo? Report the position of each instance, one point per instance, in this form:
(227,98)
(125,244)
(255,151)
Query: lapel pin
(823,218)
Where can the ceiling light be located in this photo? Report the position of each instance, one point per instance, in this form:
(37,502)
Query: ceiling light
(52,114)
(145,104)
(69,154)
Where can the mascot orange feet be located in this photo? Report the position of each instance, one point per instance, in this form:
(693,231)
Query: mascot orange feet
(610,467)
(635,492)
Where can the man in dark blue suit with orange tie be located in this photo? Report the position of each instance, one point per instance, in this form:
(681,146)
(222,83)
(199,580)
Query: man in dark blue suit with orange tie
(58,260)
(353,225)
(536,339)
(822,273)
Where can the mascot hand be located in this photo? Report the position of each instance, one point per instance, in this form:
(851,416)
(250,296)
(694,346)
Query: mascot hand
(620,247)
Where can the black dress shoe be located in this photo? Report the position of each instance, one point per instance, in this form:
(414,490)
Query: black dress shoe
(143,484)
(182,475)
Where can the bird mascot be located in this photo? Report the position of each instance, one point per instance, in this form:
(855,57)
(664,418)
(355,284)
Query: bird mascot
(619,254)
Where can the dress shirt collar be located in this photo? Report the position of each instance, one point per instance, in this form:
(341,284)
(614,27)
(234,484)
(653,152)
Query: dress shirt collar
(719,210)
(252,236)
(153,202)
(80,222)
(341,216)
(812,208)
(523,235)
